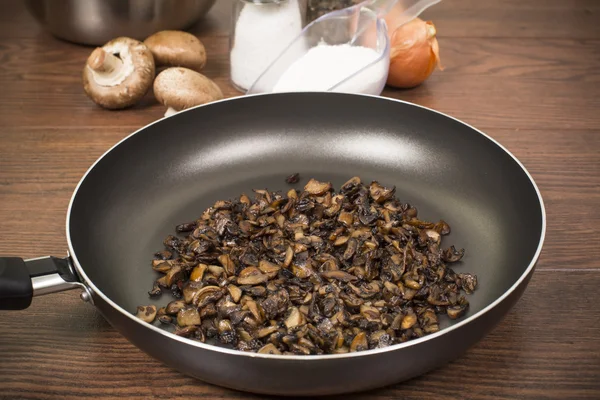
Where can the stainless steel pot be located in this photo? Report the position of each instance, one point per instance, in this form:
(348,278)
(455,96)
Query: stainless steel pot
(95,22)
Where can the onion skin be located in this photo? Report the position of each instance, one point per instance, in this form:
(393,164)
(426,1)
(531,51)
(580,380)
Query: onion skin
(414,53)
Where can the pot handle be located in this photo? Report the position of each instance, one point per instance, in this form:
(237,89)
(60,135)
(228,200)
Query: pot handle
(21,279)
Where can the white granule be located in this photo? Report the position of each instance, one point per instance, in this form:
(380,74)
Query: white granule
(262,32)
(324,66)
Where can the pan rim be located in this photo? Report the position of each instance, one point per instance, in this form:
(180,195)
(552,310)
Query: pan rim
(372,352)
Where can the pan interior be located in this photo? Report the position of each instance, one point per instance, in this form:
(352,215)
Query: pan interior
(169,172)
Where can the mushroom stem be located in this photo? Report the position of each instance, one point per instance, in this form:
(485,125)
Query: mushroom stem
(101,61)
(170,111)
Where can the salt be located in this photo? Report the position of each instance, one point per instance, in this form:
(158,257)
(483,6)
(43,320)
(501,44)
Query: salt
(262,32)
(324,66)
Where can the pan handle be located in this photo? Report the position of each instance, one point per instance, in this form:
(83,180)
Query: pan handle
(21,279)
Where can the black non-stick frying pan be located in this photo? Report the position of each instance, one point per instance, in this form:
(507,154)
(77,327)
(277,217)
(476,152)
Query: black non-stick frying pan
(171,170)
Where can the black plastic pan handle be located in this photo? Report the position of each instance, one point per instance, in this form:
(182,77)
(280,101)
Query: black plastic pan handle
(21,280)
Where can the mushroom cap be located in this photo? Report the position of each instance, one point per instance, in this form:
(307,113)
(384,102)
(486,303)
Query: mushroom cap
(182,88)
(177,49)
(132,80)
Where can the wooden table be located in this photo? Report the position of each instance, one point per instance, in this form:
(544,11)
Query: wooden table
(526,72)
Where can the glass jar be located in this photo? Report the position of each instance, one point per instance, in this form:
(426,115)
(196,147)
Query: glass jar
(318,8)
(261,30)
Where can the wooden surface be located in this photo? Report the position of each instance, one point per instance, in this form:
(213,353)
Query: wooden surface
(526,72)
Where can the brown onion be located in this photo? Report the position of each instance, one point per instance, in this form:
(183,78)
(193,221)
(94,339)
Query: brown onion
(414,52)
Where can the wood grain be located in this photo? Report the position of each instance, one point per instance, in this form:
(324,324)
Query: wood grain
(566,168)
(526,72)
(533,353)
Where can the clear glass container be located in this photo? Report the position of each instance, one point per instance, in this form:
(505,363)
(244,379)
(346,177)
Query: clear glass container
(261,30)
(341,28)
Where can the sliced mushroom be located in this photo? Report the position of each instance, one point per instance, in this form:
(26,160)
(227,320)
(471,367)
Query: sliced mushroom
(228,264)
(453,255)
(341,240)
(433,235)
(235,293)
(269,349)
(339,275)
(198,272)
(255,310)
(208,311)
(346,218)
(455,312)
(188,316)
(380,193)
(261,333)
(227,334)
(409,320)
(186,331)
(174,307)
(174,274)
(163,255)
(251,276)
(190,290)
(118,74)
(359,343)
(350,249)
(289,255)
(351,184)
(163,266)
(208,294)
(268,268)
(442,228)
(294,319)
(146,313)
(468,282)
(370,313)
(156,290)
(317,188)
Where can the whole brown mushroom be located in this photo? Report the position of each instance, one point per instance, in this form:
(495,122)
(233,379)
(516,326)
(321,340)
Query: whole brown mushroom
(180,88)
(177,49)
(118,74)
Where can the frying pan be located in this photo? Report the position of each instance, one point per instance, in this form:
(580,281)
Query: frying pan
(170,171)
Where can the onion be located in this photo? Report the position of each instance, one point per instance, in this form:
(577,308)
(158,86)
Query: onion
(414,52)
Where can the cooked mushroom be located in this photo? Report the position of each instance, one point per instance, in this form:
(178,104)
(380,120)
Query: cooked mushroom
(181,88)
(174,307)
(227,264)
(296,279)
(269,268)
(190,290)
(269,349)
(453,255)
(146,313)
(251,276)
(455,312)
(339,275)
(317,188)
(118,74)
(208,294)
(188,316)
(295,318)
(198,272)
(177,49)
(235,293)
(186,331)
(359,343)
